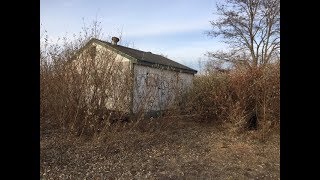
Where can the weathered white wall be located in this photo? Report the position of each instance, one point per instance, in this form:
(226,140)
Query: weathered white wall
(116,69)
(155,88)
(118,58)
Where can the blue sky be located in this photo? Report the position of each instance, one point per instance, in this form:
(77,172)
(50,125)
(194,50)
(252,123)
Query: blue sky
(171,27)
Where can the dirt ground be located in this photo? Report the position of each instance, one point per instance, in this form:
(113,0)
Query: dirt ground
(177,150)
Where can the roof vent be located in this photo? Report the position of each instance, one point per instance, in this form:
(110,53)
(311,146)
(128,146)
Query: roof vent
(115,40)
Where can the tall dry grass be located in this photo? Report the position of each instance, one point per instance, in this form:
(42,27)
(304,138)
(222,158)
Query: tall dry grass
(84,90)
(79,92)
(86,94)
(242,98)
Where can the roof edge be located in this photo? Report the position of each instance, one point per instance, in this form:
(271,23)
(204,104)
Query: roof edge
(166,67)
(139,61)
(113,49)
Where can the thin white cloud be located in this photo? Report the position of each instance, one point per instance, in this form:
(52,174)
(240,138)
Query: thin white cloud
(190,50)
(162,28)
(188,54)
(69,3)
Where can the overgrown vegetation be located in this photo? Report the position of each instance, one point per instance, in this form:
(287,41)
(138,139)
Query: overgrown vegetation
(174,148)
(84,89)
(228,121)
(76,88)
(243,99)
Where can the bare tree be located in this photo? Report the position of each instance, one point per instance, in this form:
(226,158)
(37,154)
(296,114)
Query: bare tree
(251,28)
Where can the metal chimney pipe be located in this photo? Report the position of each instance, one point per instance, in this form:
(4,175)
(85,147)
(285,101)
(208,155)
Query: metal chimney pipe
(115,40)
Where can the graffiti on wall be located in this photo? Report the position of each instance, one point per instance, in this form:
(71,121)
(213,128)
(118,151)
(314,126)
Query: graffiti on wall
(155,91)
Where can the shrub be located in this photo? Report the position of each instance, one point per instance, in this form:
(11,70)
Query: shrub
(245,98)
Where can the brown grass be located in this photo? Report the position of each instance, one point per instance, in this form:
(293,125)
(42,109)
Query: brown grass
(177,150)
(244,99)
(208,134)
